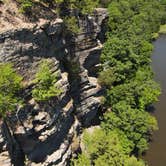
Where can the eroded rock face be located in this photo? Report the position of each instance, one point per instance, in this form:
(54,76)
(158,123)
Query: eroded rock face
(47,132)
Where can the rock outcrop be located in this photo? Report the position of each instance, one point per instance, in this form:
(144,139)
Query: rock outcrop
(48,133)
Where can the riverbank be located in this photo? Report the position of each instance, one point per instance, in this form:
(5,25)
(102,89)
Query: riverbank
(162,29)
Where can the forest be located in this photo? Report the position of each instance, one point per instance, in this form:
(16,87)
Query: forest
(130,89)
(126,123)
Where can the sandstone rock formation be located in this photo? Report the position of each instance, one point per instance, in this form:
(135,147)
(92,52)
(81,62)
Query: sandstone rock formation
(48,133)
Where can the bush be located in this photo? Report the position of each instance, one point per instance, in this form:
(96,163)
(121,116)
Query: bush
(72,25)
(106,78)
(25,6)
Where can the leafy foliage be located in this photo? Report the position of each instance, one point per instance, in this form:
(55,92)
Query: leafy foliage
(107,149)
(69,10)
(10,84)
(72,25)
(84,6)
(45,83)
(82,160)
(139,92)
(25,6)
(137,125)
(87,6)
(128,78)
(106,77)
(127,54)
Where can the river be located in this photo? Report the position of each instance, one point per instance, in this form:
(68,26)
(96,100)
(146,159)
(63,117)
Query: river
(156,155)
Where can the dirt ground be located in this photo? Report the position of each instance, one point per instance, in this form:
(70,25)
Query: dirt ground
(11,18)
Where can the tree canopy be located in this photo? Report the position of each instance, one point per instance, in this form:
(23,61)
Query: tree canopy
(10,85)
(106,149)
(45,81)
(128,79)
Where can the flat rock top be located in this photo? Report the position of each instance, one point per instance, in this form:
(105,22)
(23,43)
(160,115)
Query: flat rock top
(11,18)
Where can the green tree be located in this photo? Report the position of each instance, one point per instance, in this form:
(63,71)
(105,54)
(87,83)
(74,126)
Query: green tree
(106,149)
(106,78)
(88,6)
(132,161)
(127,54)
(82,160)
(71,24)
(137,125)
(45,81)
(10,85)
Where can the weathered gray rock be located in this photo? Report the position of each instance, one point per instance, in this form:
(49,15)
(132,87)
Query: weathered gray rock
(45,132)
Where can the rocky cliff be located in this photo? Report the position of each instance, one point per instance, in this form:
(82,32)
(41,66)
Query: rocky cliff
(48,133)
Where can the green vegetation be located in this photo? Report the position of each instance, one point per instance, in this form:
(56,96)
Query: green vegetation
(69,10)
(128,79)
(10,85)
(84,6)
(125,131)
(135,124)
(106,78)
(162,29)
(45,81)
(87,6)
(106,149)
(25,6)
(72,25)
(127,53)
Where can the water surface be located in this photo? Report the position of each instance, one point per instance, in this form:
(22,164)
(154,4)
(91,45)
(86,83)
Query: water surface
(156,155)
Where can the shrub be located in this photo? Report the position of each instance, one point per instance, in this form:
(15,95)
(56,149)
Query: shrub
(72,25)
(25,6)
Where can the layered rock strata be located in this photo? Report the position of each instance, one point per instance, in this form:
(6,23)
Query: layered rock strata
(48,133)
